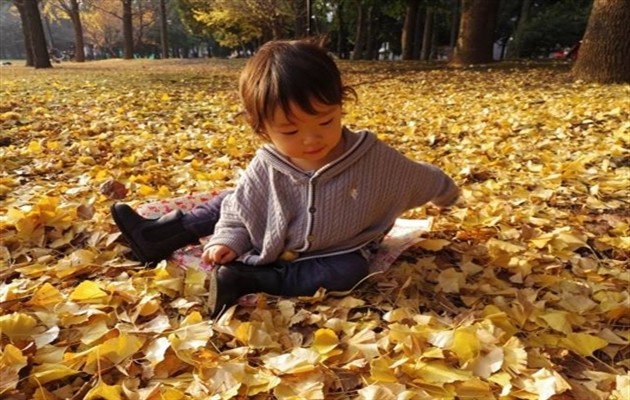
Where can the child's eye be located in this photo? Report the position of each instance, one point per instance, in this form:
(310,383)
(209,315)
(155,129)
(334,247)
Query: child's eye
(326,122)
(290,132)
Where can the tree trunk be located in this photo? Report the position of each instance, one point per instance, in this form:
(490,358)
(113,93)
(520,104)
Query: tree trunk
(417,35)
(359,39)
(79,45)
(41,58)
(28,46)
(514,50)
(277,29)
(455,17)
(342,39)
(372,20)
(427,36)
(409,27)
(127,30)
(476,32)
(604,55)
(163,29)
(300,12)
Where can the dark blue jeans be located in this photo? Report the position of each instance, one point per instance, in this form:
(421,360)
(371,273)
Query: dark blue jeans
(296,278)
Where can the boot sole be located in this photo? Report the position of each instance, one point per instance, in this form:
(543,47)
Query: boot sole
(127,235)
(213,294)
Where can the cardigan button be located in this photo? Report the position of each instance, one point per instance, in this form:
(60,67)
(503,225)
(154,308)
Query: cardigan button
(312,210)
(310,238)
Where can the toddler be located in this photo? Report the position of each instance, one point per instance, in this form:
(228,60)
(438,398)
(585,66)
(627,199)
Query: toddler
(314,203)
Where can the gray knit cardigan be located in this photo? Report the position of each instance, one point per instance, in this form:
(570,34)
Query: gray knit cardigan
(341,207)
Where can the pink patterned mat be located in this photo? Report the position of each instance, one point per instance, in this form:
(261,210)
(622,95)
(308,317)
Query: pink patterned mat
(405,233)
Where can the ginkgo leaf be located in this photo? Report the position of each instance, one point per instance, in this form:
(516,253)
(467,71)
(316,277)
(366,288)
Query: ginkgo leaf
(557,320)
(114,350)
(486,365)
(439,373)
(381,370)
(44,373)
(42,394)
(307,387)
(76,261)
(465,344)
(17,325)
(325,341)
(514,356)
(46,296)
(508,293)
(88,291)
(104,391)
(255,336)
(388,391)
(156,350)
(46,337)
(96,329)
(450,280)
(547,383)
(583,343)
(299,360)
(11,362)
(362,342)
(433,244)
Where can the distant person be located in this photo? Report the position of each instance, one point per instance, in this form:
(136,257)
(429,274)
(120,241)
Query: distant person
(572,53)
(315,202)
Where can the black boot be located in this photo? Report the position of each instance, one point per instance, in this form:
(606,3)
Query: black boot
(152,240)
(231,281)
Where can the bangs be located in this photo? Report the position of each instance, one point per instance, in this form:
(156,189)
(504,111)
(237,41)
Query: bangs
(302,82)
(289,72)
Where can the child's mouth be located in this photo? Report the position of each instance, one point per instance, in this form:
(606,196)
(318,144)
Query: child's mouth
(314,152)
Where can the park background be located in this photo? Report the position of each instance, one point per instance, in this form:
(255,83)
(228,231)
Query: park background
(193,28)
(520,292)
(462,32)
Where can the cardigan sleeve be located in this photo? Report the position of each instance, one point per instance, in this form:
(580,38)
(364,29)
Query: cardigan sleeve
(445,191)
(414,183)
(234,228)
(230,231)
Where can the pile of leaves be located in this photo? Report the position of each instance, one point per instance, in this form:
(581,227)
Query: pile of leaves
(518,292)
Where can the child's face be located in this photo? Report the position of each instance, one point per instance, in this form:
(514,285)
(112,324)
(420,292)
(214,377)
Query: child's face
(309,141)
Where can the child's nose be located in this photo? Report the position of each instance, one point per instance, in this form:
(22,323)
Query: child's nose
(312,136)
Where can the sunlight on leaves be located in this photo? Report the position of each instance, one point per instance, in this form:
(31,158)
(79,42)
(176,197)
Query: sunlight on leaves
(518,291)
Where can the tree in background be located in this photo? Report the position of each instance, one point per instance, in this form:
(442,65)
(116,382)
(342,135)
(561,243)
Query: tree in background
(26,32)
(164,29)
(234,23)
(366,29)
(12,43)
(428,33)
(517,37)
(104,23)
(186,13)
(303,21)
(35,40)
(476,32)
(127,25)
(69,9)
(409,27)
(359,37)
(103,27)
(604,55)
(230,23)
(547,27)
(428,25)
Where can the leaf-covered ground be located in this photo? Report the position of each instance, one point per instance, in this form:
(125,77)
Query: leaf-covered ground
(520,292)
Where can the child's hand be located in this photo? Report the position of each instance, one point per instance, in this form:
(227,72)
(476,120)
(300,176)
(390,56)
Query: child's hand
(218,254)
